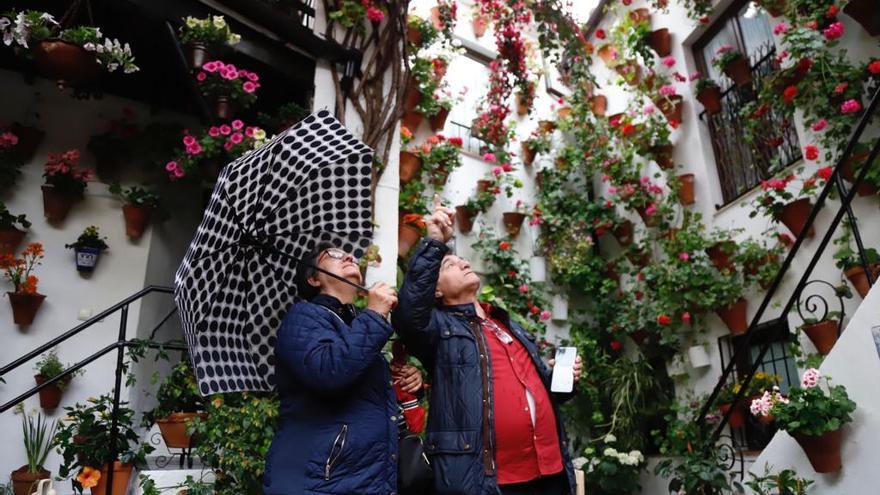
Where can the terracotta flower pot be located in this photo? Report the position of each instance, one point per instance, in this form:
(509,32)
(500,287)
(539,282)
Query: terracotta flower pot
(740,71)
(66,63)
(823,450)
(720,254)
(50,396)
(649,220)
(737,417)
(547,125)
(865,13)
(848,172)
(29,139)
(711,99)
(823,335)
(734,316)
(438,122)
(173,429)
(640,15)
(24,306)
(774,8)
(479,24)
(10,239)
(413,35)
(440,177)
(639,336)
(483,185)
(407,237)
(513,222)
(24,483)
(671,107)
(410,165)
(224,108)
(794,216)
(660,41)
(624,233)
(859,279)
(630,71)
(528,154)
(411,98)
(522,106)
(121,475)
(609,55)
(563,112)
(136,220)
(599,105)
(56,205)
(663,156)
(436,20)
(686,194)
(412,121)
(196,54)
(464,217)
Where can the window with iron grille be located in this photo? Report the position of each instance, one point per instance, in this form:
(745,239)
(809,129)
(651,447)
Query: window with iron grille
(742,165)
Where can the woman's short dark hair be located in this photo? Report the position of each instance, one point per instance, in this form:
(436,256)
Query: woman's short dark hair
(306,270)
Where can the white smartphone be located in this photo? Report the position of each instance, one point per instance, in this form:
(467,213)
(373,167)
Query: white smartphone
(563,371)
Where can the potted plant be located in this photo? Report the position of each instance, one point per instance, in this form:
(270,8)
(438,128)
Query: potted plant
(599,105)
(65,183)
(791,208)
(849,260)
(660,41)
(420,32)
(538,142)
(409,232)
(852,166)
(179,404)
(88,248)
(723,292)
(513,220)
(685,188)
(479,22)
(24,298)
(13,228)
(113,147)
(734,64)
(47,368)
(728,401)
(608,470)
(709,94)
(138,205)
(525,97)
(760,263)
(230,88)
(823,332)
(203,153)
(84,442)
(670,104)
(199,36)
(439,157)
(39,436)
(785,482)
(814,415)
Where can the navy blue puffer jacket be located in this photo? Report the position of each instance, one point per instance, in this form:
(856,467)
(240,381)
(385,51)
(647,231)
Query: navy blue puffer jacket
(338,426)
(448,341)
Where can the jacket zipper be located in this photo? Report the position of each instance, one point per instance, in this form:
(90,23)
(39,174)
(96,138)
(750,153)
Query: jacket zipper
(331,459)
(489,454)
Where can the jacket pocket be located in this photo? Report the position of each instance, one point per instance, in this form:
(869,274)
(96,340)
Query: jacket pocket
(458,469)
(335,451)
(451,442)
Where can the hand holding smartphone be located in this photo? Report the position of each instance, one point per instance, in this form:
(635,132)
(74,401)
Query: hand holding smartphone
(563,371)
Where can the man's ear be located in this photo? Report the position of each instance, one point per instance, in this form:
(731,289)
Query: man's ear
(314,282)
(438,294)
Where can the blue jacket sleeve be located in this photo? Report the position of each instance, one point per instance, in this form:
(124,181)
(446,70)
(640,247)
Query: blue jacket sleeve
(413,316)
(321,357)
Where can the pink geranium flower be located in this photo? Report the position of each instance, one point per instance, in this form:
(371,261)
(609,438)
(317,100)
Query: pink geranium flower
(780,28)
(545,315)
(850,106)
(821,124)
(225,130)
(684,256)
(375,15)
(667,90)
(834,31)
(497,170)
(810,378)
(236,138)
(669,61)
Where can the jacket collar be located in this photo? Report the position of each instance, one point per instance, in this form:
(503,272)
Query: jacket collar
(469,311)
(345,311)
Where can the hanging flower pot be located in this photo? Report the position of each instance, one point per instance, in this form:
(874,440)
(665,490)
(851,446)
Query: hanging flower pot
(56,205)
(663,155)
(528,154)
(513,222)
(173,429)
(410,165)
(859,279)
(50,396)
(439,177)
(24,306)
(479,24)
(538,268)
(608,54)
(136,220)
(547,125)
(640,336)
(794,216)
(823,335)
(599,105)
(710,97)
(848,172)
(865,13)
(563,112)
(740,71)
(412,120)
(196,54)
(66,63)
(409,232)
(671,107)
(10,239)
(121,475)
(686,194)
(640,15)
(411,98)
(720,254)
(224,109)
(522,105)
(24,482)
(87,259)
(649,220)
(737,418)
(630,71)
(624,233)
(660,41)
(464,217)
(438,121)
(823,450)
(29,139)
(734,316)
(698,356)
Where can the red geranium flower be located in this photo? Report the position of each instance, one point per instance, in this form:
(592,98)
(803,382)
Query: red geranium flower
(824,173)
(504,245)
(616,345)
(874,67)
(811,152)
(600,33)
(789,94)
(664,320)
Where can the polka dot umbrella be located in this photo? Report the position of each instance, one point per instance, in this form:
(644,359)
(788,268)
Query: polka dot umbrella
(269,208)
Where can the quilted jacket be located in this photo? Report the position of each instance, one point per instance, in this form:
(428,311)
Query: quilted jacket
(448,341)
(338,421)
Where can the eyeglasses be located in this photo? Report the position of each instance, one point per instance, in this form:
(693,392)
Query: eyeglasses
(337,254)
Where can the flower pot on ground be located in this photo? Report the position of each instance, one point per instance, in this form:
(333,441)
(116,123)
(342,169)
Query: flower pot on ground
(865,13)
(513,221)
(174,429)
(599,105)
(735,316)
(199,36)
(686,194)
(671,106)
(660,41)
(66,63)
(410,165)
(710,98)
(38,437)
(88,248)
(24,482)
(464,217)
(121,476)
(794,216)
(859,279)
(823,334)
(409,231)
(438,121)
(179,403)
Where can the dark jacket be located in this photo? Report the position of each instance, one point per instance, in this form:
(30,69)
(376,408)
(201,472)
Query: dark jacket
(338,421)
(448,341)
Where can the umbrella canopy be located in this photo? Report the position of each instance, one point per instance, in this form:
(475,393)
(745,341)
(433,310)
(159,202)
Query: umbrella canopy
(270,207)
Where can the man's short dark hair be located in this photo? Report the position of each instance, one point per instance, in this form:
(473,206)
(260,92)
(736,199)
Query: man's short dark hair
(306,270)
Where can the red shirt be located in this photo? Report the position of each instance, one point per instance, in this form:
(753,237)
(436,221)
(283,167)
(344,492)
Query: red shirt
(523,451)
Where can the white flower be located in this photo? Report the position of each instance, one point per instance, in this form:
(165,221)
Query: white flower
(609,438)
(609,452)
(89,47)
(810,378)
(219,22)
(233,39)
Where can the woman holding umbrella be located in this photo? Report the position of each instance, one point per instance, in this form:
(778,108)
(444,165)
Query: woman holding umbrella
(338,427)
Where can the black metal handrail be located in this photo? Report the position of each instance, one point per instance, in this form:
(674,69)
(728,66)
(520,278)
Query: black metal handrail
(846,197)
(119,346)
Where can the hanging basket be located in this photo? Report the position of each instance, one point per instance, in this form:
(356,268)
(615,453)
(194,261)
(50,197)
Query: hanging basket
(87,259)
(224,108)
(740,71)
(438,121)
(720,254)
(823,335)
(50,396)
(24,483)
(464,217)
(859,279)
(823,450)
(24,306)
(513,222)
(671,107)
(10,239)
(686,195)
(599,105)
(660,41)
(56,205)
(794,216)
(66,63)
(734,316)
(173,429)
(711,99)
(865,13)
(196,54)
(121,475)
(528,154)
(410,165)
(136,220)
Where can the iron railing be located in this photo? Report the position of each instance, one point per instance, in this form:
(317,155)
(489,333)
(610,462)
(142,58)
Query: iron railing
(119,346)
(780,323)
